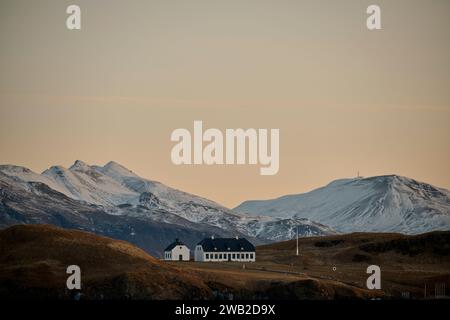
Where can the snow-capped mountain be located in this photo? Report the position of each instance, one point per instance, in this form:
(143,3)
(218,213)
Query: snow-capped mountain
(36,203)
(84,183)
(118,191)
(381,204)
(22,174)
(279,229)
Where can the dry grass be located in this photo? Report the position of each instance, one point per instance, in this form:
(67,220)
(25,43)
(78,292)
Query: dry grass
(407,264)
(34,259)
(33,262)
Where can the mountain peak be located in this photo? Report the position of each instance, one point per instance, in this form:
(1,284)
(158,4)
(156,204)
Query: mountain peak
(114,167)
(340,182)
(13,168)
(79,165)
(387,203)
(387,179)
(112,163)
(56,168)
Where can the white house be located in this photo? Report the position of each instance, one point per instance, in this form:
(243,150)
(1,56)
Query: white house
(177,251)
(225,249)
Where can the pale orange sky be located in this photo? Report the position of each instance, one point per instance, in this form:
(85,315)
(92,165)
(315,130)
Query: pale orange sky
(344,98)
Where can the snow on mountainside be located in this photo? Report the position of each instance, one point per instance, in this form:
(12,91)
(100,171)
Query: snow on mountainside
(35,203)
(381,204)
(279,229)
(189,206)
(25,175)
(84,183)
(119,191)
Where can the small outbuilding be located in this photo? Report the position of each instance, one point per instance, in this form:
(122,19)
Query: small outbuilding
(177,251)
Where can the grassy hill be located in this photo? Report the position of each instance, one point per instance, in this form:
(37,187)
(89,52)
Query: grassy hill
(407,263)
(334,267)
(34,258)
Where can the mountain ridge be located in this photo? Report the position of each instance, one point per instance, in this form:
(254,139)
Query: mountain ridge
(387,203)
(117,191)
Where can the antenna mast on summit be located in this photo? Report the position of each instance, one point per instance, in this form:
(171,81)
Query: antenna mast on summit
(297,240)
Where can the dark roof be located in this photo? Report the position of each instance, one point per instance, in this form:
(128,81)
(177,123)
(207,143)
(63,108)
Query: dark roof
(174,244)
(226,244)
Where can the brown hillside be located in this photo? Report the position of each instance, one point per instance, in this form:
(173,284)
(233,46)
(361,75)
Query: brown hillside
(34,258)
(409,264)
(426,248)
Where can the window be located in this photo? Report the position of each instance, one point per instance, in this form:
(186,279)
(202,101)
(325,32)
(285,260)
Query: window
(207,256)
(220,256)
(234,256)
(242,256)
(251,255)
(215,256)
(246,256)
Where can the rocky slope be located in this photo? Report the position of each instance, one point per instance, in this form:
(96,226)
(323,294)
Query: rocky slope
(376,204)
(117,191)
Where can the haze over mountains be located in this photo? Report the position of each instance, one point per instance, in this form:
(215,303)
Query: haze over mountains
(376,204)
(112,200)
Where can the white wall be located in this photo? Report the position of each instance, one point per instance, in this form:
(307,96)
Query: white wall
(175,253)
(200,255)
